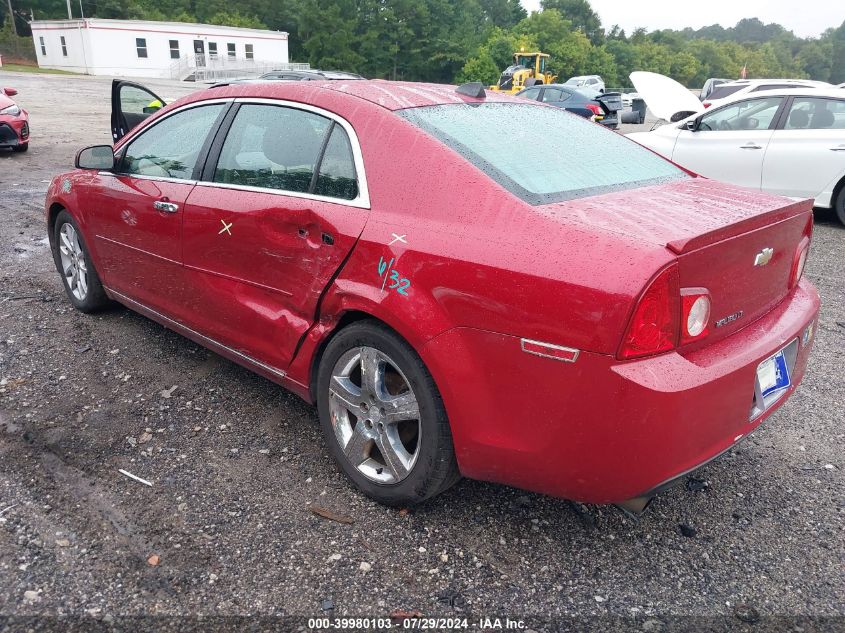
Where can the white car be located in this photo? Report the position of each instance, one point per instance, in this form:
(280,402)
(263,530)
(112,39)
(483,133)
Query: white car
(586,81)
(741,87)
(789,142)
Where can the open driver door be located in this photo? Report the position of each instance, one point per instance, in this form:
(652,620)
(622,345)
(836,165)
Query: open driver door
(131,103)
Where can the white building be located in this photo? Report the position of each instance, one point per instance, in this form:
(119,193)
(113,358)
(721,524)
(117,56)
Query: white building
(174,50)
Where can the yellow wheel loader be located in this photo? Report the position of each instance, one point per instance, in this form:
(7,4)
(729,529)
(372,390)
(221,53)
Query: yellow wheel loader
(528,69)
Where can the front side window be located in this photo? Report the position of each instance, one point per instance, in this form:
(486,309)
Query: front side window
(43,47)
(248,51)
(813,113)
(230,48)
(174,49)
(141,46)
(572,158)
(171,148)
(752,114)
(64,45)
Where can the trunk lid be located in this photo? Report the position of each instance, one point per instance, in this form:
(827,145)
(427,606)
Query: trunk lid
(665,97)
(611,102)
(716,231)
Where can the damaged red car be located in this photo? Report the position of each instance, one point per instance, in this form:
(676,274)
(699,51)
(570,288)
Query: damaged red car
(14,123)
(571,314)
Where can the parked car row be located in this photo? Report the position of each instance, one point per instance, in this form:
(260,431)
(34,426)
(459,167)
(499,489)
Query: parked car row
(788,141)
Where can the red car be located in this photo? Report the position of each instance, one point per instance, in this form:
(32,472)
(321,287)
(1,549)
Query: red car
(14,123)
(570,314)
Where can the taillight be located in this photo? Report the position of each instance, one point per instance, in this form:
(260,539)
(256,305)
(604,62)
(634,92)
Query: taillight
(695,313)
(799,261)
(592,107)
(654,325)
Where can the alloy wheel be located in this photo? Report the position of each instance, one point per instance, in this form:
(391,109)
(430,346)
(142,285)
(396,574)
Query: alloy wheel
(74,266)
(375,415)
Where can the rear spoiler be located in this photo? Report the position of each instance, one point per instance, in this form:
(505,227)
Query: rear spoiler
(746,225)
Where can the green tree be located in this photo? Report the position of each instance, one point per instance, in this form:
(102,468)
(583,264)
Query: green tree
(581,15)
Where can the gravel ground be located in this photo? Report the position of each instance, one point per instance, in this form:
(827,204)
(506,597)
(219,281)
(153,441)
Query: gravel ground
(238,464)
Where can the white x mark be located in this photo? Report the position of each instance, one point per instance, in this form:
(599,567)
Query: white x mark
(398,238)
(226,227)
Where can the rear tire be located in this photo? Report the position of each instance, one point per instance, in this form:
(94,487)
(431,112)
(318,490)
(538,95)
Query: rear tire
(386,427)
(839,205)
(20,148)
(73,261)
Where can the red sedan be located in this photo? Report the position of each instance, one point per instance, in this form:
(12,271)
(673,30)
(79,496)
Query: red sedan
(14,123)
(566,312)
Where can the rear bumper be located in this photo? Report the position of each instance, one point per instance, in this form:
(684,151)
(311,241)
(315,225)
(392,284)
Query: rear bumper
(603,431)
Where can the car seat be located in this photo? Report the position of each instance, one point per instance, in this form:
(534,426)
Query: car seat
(798,119)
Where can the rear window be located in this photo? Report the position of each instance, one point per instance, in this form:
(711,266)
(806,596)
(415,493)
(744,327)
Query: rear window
(568,158)
(720,92)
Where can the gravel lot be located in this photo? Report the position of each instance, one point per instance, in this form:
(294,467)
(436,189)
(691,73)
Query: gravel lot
(237,464)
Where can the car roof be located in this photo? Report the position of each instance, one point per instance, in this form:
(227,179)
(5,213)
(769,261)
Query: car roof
(757,82)
(391,95)
(786,92)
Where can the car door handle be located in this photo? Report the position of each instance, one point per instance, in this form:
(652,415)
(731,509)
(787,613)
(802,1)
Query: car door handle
(751,146)
(167,207)
(838,148)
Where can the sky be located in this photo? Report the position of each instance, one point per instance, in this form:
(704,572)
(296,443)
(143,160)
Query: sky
(806,19)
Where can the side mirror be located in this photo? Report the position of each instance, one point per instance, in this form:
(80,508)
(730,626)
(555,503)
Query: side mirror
(691,125)
(100,157)
(10,92)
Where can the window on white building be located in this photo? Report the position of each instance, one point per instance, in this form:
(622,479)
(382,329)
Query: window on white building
(141,46)
(248,51)
(64,45)
(230,48)
(43,47)
(174,49)
(212,50)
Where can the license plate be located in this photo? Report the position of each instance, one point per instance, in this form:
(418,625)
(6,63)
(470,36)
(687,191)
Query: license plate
(773,375)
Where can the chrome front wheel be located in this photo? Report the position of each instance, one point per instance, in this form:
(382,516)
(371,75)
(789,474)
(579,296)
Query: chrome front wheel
(375,415)
(74,267)
(74,263)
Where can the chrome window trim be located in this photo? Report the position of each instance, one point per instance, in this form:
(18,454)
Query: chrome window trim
(141,177)
(362,200)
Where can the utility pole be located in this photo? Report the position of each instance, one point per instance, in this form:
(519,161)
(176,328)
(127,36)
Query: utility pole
(12,18)
(69,13)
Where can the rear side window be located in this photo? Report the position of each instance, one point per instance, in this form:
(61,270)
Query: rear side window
(336,177)
(720,92)
(272,147)
(813,113)
(572,158)
(171,148)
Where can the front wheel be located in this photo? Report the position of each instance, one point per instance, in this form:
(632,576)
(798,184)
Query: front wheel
(73,261)
(382,416)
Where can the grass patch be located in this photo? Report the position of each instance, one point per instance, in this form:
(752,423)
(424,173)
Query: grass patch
(20,68)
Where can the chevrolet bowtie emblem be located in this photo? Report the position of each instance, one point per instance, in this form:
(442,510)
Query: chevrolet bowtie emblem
(764,256)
